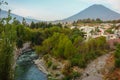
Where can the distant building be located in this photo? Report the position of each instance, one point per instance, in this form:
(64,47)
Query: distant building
(117,33)
(101,31)
(88,30)
(111,36)
(72,27)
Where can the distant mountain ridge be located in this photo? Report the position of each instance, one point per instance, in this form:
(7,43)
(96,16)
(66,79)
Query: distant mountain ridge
(93,12)
(4,14)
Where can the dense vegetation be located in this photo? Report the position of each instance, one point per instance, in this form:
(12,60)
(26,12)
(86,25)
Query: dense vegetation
(43,25)
(117,56)
(70,45)
(7,39)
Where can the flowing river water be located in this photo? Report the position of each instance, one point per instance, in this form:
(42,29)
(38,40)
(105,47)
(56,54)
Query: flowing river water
(26,69)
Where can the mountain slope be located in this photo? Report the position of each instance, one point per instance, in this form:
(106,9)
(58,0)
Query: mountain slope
(95,11)
(4,14)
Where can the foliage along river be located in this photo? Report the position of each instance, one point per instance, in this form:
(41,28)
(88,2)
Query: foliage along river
(26,69)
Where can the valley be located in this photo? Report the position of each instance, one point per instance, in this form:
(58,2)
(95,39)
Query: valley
(83,46)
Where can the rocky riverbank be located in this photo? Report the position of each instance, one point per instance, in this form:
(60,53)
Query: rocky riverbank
(41,65)
(51,67)
(98,68)
(25,67)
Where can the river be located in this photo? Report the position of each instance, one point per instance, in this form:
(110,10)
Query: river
(26,69)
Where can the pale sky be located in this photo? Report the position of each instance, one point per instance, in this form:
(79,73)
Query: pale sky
(55,9)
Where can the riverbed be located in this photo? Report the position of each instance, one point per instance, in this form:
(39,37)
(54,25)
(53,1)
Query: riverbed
(26,69)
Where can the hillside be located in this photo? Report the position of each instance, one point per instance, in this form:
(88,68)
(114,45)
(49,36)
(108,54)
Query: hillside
(20,18)
(93,12)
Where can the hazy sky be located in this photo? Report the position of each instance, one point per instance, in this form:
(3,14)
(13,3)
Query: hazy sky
(55,9)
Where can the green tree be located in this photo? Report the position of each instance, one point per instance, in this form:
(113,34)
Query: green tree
(48,44)
(24,22)
(6,50)
(78,41)
(64,47)
(2,2)
(16,22)
(32,25)
(69,49)
(20,30)
(78,60)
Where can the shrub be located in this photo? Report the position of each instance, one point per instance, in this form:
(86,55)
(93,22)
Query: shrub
(76,74)
(54,67)
(117,56)
(49,64)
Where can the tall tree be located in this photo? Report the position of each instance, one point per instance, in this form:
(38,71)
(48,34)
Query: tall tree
(32,25)
(7,40)
(2,3)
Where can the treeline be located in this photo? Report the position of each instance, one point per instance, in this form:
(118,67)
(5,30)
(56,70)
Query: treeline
(95,21)
(43,25)
(35,36)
